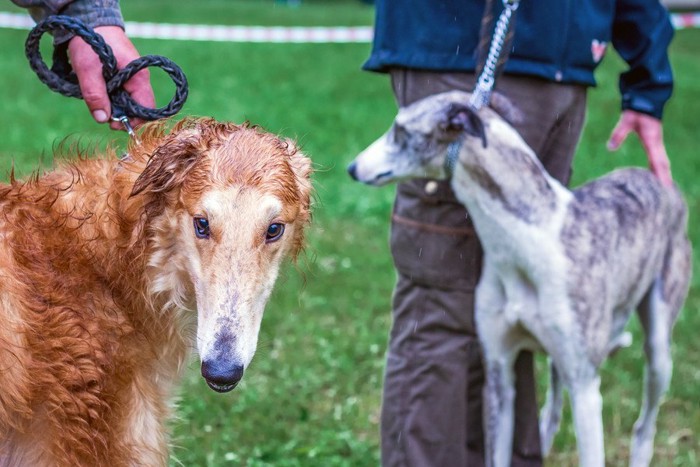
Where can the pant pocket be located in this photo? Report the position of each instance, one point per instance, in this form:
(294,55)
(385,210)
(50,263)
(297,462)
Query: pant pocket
(432,239)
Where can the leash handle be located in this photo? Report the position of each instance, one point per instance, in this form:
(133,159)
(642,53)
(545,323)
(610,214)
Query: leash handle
(487,78)
(60,78)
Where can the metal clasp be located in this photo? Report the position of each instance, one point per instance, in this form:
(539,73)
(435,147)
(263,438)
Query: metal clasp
(119,116)
(127,126)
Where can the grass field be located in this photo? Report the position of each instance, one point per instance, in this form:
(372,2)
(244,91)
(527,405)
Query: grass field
(311,397)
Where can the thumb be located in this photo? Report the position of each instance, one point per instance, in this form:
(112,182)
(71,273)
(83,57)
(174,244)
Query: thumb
(88,69)
(618,135)
(95,95)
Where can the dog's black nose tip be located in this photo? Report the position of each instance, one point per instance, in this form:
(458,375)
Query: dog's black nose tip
(221,376)
(352,170)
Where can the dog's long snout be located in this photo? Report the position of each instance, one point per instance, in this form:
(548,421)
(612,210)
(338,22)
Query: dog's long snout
(376,180)
(221,376)
(352,170)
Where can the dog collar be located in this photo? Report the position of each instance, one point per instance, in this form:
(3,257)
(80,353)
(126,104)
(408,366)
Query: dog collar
(452,156)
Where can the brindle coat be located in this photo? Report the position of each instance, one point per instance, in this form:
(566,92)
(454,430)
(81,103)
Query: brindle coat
(563,270)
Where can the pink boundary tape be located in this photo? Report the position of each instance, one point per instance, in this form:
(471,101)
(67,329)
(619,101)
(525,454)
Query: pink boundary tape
(262,34)
(685,20)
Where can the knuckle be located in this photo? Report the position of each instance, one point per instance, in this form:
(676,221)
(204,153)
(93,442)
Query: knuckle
(94,97)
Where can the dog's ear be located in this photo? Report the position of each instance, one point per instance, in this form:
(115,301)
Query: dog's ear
(301,167)
(505,108)
(460,119)
(169,164)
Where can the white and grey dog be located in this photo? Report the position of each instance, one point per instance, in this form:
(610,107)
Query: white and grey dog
(563,270)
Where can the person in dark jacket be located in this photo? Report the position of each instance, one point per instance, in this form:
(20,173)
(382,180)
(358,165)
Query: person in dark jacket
(432,409)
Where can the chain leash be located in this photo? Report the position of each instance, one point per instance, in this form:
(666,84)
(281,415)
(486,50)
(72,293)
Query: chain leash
(487,78)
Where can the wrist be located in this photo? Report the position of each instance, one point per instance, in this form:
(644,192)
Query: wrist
(107,14)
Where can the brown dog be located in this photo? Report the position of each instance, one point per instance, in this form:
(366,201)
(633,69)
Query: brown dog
(109,265)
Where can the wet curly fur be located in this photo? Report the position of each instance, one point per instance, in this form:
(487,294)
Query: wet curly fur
(102,274)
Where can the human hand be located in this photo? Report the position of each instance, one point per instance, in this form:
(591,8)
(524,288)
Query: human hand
(88,69)
(650,133)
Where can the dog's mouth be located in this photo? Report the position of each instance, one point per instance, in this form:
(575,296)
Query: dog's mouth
(381,179)
(220,375)
(221,388)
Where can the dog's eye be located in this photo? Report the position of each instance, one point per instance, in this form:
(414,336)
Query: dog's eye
(399,133)
(201,227)
(274,232)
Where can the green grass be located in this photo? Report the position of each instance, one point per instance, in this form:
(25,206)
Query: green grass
(311,397)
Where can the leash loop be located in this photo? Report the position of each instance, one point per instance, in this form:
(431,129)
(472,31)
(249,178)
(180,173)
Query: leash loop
(487,78)
(61,78)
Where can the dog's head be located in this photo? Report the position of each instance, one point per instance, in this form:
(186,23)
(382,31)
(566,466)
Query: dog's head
(419,142)
(224,205)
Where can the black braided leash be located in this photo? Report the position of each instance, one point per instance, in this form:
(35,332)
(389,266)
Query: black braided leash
(62,79)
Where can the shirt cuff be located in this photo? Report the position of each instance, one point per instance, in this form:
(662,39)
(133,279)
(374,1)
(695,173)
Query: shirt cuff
(642,104)
(92,13)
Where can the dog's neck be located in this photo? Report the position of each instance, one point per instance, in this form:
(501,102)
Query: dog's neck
(151,303)
(504,182)
(90,204)
(117,239)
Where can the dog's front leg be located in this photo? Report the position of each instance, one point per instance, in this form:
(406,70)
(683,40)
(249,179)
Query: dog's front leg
(144,437)
(499,398)
(588,420)
(499,358)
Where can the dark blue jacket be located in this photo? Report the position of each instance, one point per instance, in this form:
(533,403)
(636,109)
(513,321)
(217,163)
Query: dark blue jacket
(558,40)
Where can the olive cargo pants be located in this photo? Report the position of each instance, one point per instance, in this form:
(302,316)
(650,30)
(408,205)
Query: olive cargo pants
(431,410)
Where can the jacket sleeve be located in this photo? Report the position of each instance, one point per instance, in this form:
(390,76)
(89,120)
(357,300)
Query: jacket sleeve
(91,12)
(642,32)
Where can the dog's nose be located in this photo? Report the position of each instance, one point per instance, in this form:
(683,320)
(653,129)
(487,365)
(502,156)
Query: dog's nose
(352,170)
(221,376)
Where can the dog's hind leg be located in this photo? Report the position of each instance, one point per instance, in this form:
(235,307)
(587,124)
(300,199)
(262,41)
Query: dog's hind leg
(653,314)
(588,420)
(550,416)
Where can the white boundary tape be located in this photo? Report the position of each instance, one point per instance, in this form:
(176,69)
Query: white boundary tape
(249,33)
(273,34)
(196,32)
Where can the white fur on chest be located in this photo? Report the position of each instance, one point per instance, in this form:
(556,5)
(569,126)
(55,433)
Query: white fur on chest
(526,261)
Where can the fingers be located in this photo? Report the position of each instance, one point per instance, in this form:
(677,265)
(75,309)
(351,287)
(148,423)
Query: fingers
(139,86)
(619,134)
(88,69)
(661,167)
(651,136)
(650,132)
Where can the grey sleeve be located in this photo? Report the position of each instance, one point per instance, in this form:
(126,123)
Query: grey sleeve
(91,12)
